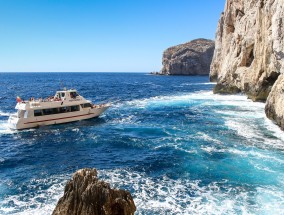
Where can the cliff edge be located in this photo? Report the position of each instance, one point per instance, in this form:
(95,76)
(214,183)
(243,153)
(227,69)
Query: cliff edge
(85,194)
(192,58)
(249,52)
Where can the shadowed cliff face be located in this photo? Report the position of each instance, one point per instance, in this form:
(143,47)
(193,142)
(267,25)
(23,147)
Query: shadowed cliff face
(249,47)
(85,194)
(192,58)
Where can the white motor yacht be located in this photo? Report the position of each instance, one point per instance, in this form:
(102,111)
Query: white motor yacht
(65,106)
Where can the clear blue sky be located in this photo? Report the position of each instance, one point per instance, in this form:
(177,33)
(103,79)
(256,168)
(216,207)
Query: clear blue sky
(99,35)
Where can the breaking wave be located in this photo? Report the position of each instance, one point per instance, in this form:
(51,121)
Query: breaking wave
(164,195)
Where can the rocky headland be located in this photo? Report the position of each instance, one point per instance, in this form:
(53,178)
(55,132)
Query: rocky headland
(249,53)
(86,194)
(192,58)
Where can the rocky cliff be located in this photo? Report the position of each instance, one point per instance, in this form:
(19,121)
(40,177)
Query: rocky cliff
(192,58)
(274,107)
(85,194)
(249,52)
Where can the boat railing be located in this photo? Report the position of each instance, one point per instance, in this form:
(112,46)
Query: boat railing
(36,102)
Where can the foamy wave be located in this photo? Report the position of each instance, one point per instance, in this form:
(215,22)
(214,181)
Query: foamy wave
(258,131)
(244,129)
(43,202)
(184,196)
(207,96)
(4,128)
(274,129)
(124,120)
(206,137)
(4,113)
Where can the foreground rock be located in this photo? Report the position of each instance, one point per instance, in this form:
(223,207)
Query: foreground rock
(192,58)
(249,52)
(85,194)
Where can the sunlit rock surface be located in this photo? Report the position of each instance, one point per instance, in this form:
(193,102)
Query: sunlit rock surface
(86,194)
(249,52)
(192,58)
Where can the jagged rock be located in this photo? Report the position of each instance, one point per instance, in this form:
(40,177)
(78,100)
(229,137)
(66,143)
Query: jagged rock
(192,58)
(274,107)
(249,52)
(85,194)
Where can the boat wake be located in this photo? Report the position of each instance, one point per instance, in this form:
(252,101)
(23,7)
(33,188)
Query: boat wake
(4,114)
(4,128)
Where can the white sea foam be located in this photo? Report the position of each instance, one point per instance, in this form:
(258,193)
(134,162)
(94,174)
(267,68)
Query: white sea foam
(4,128)
(4,113)
(42,202)
(206,96)
(206,137)
(184,196)
(274,129)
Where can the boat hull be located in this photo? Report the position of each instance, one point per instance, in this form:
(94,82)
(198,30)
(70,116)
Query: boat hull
(24,123)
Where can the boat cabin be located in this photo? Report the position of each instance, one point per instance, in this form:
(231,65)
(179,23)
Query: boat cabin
(66,95)
(64,101)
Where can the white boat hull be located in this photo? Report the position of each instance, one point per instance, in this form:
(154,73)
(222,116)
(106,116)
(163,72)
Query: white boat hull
(32,122)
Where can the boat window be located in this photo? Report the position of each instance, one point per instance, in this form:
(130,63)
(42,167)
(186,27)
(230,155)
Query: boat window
(73,95)
(62,94)
(55,111)
(21,113)
(37,113)
(86,105)
(64,109)
(75,108)
(26,114)
(47,111)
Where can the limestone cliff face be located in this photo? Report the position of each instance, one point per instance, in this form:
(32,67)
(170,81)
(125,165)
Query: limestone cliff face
(192,58)
(274,107)
(249,53)
(85,194)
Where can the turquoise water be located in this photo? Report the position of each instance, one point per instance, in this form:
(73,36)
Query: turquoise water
(178,148)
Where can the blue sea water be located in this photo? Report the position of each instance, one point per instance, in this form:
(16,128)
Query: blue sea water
(177,147)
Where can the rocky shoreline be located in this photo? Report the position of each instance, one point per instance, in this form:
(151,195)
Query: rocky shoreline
(86,194)
(249,53)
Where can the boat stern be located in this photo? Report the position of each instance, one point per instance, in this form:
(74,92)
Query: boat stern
(13,122)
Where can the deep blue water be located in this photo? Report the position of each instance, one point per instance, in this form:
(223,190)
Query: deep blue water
(174,145)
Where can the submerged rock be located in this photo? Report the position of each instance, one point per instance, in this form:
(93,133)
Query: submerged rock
(249,52)
(192,58)
(86,194)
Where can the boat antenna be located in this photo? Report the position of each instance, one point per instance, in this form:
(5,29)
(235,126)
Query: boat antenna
(61,84)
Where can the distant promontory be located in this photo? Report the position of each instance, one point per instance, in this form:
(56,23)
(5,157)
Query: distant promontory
(192,58)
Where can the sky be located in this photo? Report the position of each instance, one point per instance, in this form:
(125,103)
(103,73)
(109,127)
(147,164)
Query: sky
(99,35)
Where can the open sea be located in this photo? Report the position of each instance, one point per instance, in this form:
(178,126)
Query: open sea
(177,147)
